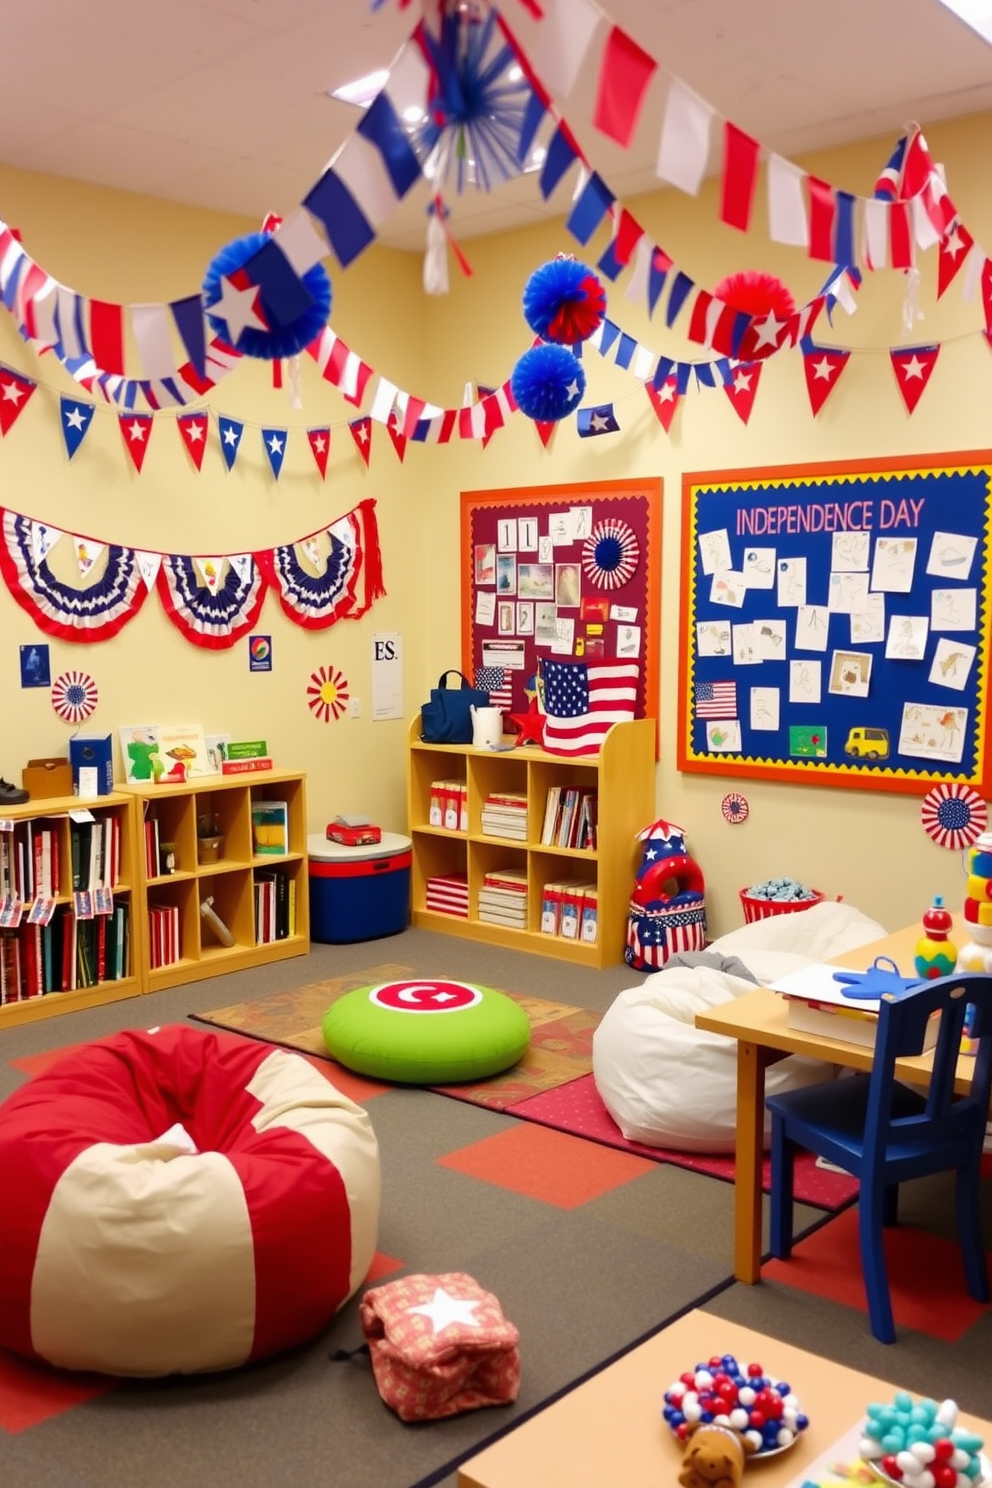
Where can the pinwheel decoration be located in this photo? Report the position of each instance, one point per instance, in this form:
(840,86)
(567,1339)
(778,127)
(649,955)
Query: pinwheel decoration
(610,554)
(954,815)
(74,696)
(735,807)
(327,694)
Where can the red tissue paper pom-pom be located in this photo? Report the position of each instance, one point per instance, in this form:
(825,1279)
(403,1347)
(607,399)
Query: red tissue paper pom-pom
(756,294)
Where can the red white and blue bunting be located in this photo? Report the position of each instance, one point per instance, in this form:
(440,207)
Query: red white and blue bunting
(212,601)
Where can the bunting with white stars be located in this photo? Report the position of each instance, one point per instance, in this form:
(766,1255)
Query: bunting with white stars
(742,388)
(193,432)
(822,366)
(913,366)
(230,439)
(274,441)
(76,420)
(320,446)
(137,431)
(15,391)
(361,433)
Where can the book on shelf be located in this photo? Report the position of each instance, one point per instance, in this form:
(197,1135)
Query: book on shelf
(816,1003)
(569,909)
(265,906)
(163,934)
(252,766)
(448,894)
(270,828)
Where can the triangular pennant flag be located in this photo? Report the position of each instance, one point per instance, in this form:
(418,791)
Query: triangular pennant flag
(193,429)
(43,540)
(545,430)
(15,391)
(742,388)
(210,571)
(148,566)
(274,441)
(242,564)
(664,401)
(913,366)
(987,292)
(230,439)
(320,445)
(823,367)
(954,249)
(396,435)
(361,433)
(137,431)
(76,419)
(87,553)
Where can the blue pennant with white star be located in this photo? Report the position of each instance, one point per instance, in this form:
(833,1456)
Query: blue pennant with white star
(76,419)
(275,447)
(599,420)
(230,439)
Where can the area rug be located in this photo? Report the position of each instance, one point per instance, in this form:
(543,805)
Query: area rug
(578,1108)
(552,1085)
(926,1276)
(560,1044)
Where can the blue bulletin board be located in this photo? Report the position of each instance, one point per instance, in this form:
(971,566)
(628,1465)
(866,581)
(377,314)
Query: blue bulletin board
(835,623)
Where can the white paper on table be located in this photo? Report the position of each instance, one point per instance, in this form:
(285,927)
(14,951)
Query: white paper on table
(818,984)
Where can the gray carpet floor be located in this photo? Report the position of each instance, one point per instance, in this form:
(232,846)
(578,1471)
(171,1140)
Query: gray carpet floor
(581,1284)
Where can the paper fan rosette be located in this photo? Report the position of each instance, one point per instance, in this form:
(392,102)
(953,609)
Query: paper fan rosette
(94,612)
(213,618)
(954,815)
(610,554)
(74,696)
(327,694)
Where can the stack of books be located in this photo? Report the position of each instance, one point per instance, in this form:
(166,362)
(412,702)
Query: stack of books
(503,898)
(449,805)
(570,817)
(275,906)
(817,1003)
(570,908)
(448,894)
(504,814)
(163,934)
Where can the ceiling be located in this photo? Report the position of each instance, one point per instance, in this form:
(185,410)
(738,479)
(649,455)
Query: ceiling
(223,103)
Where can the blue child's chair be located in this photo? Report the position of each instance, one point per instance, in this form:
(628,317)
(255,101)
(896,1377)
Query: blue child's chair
(884,1132)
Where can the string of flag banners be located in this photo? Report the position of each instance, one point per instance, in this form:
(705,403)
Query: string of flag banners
(380,162)
(331,574)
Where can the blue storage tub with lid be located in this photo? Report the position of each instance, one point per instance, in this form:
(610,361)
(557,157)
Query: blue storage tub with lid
(358,893)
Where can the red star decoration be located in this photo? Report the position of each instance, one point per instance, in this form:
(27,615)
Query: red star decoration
(529,723)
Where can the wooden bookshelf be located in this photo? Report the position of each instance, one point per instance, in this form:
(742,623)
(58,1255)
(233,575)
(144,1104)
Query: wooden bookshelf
(622,774)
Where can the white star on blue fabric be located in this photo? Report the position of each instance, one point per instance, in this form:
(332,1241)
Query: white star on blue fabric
(230,434)
(238,309)
(275,444)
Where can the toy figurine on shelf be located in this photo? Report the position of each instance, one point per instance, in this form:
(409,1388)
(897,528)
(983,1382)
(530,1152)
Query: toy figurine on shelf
(976,954)
(936,954)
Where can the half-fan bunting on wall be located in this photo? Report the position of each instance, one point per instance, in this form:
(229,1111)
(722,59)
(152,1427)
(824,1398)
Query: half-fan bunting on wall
(215,613)
(344,587)
(93,612)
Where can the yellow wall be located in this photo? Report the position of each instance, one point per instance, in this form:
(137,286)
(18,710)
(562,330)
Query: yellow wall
(865,846)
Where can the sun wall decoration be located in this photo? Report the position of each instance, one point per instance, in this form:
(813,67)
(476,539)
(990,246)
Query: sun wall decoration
(327,694)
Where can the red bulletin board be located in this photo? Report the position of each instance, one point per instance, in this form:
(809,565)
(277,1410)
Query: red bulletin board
(603,575)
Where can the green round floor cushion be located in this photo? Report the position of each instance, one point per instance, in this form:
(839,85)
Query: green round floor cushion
(426,1032)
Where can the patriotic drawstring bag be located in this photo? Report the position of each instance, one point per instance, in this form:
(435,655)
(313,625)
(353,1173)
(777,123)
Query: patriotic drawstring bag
(440,1345)
(667,911)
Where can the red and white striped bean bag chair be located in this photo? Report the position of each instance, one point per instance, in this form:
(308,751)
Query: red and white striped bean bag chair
(177,1201)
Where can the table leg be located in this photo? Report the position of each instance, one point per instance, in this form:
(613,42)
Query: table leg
(752,1061)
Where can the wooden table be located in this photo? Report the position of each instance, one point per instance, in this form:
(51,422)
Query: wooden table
(759,1023)
(610,1430)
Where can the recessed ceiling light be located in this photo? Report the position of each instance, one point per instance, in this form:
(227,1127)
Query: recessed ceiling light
(975,13)
(362,91)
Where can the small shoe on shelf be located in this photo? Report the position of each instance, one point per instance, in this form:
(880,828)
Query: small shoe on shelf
(12,795)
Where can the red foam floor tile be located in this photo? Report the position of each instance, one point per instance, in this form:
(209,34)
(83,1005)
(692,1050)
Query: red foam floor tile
(926,1276)
(547,1165)
(31,1393)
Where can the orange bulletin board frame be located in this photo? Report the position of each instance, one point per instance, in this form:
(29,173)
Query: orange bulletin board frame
(792,514)
(631,506)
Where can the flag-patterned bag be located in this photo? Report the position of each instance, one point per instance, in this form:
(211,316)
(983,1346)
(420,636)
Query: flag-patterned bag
(655,934)
(440,1345)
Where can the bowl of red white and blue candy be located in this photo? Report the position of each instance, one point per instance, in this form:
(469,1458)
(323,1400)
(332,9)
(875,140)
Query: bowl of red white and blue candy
(764,1410)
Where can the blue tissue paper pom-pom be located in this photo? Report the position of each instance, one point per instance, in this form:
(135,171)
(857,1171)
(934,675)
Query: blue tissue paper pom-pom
(548,383)
(281,340)
(564,301)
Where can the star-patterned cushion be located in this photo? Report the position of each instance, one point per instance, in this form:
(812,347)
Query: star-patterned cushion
(427,1032)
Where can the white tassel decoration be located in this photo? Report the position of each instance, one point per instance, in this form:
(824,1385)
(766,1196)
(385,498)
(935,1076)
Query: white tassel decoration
(436,257)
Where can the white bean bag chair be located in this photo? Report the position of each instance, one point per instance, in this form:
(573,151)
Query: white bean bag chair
(177,1201)
(667,1083)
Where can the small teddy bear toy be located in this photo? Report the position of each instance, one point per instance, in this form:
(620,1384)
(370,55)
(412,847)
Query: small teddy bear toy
(714,1457)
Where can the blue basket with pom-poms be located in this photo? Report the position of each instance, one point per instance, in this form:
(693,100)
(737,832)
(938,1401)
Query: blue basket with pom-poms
(274,339)
(564,301)
(547,383)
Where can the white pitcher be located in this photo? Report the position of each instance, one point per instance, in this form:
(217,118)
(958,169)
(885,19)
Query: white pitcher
(487,727)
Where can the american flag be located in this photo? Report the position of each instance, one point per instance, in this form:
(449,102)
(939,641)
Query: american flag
(716,699)
(498,682)
(581,702)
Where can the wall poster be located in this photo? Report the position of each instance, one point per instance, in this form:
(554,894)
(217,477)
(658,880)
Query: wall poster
(835,622)
(570,571)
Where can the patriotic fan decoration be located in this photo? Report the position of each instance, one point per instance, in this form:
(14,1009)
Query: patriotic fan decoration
(351,580)
(74,696)
(953,815)
(211,617)
(327,694)
(610,554)
(735,807)
(94,612)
